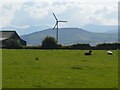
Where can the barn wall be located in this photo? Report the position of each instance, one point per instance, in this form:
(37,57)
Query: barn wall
(23,43)
(15,36)
(0,44)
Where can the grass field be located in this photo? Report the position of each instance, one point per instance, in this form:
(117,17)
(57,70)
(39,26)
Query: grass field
(59,69)
(0,68)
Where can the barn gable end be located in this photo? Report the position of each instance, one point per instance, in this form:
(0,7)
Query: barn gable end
(8,35)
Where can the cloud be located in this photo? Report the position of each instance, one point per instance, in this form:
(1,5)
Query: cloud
(20,27)
(42,9)
(6,15)
(7,12)
(36,12)
(86,13)
(76,13)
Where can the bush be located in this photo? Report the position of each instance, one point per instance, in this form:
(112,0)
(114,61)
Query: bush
(49,43)
(80,46)
(108,46)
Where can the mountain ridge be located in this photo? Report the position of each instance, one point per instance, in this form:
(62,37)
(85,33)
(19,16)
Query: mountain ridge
(69,36)
(27,29)
(101,28)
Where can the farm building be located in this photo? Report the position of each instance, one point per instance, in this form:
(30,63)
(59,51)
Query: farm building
(6,36)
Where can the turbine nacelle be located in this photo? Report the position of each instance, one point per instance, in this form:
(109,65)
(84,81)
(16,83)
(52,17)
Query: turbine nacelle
(62,21)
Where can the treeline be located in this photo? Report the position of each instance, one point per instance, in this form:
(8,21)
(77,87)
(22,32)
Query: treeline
(107,46)
(104,46)
(50,43)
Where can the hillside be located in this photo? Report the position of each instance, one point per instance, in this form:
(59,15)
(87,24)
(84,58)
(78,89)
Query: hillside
(101,28)
(70,36)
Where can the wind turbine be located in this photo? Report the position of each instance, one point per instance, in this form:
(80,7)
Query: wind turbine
(56,26)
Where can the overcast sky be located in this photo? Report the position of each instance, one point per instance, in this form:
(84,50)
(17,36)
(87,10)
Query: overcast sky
(78,13)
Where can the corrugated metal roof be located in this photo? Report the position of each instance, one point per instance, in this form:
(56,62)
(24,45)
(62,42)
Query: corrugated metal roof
(6,34)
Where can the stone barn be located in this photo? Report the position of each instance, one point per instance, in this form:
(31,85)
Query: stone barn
(10,35)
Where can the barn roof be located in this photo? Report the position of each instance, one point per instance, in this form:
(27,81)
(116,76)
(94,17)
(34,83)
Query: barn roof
(6,34)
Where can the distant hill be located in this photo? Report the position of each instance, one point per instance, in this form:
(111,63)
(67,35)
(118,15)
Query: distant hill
(69,36)
(112,31)
(101,28)
(25,29)
(89,27)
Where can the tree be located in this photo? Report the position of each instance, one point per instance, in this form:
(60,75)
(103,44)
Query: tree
(49,43)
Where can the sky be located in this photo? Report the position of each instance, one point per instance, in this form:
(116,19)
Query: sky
(24,14)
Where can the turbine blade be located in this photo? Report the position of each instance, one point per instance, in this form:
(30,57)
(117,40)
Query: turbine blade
(55,25)
(62,21)
(55,16)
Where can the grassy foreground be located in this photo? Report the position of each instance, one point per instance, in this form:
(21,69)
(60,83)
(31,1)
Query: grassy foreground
(59,69)
(0,68)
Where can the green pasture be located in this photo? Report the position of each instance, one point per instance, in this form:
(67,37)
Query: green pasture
(0,68)
(59,69)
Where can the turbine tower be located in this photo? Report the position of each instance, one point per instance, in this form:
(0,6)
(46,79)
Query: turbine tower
(56,26)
